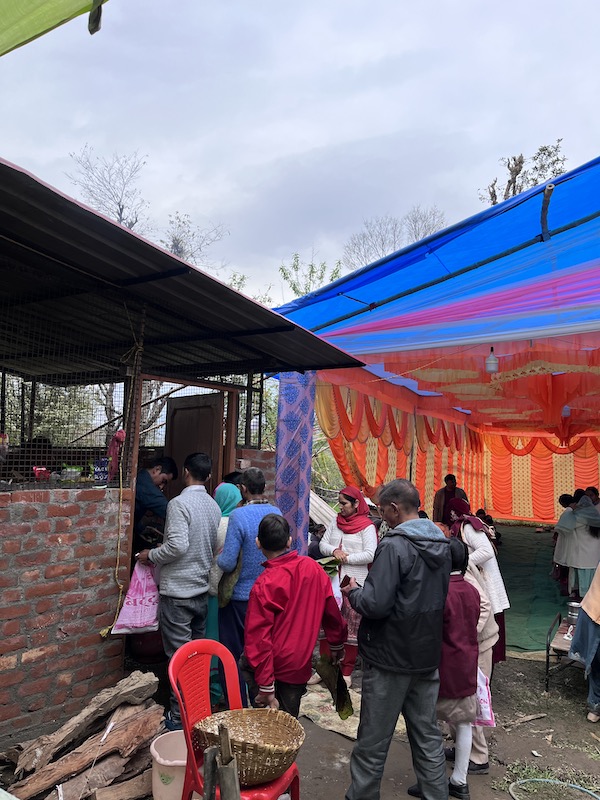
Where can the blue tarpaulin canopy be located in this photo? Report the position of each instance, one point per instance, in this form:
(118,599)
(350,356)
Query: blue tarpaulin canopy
(522,277)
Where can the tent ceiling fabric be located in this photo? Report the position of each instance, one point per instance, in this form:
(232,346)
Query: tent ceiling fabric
(522,276)
(25,20)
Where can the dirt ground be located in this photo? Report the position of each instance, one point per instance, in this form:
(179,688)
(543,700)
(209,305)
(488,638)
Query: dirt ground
(560,745)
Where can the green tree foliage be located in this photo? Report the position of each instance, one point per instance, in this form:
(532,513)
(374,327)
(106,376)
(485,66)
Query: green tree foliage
(523,173)
(304,277)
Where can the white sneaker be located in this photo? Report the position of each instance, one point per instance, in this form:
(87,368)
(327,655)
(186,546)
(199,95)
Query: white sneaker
(285,796)
(314,679)
(348,680)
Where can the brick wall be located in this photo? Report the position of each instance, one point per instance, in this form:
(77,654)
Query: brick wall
(263,459)
(57,591)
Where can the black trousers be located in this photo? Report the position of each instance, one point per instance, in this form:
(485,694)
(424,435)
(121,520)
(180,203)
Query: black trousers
(288,695)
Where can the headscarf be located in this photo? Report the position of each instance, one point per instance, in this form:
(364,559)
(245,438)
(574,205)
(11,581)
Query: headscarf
(228,497)
(360,519)
(463,510)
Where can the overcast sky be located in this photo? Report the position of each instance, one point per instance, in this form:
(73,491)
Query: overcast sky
(290,123)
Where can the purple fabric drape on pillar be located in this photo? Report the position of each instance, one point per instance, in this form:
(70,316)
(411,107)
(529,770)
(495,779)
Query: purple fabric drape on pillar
(294,451)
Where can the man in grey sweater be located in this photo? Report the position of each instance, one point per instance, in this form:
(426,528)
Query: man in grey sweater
(185,558)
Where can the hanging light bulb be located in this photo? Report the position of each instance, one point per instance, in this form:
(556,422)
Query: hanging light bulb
(491,362)
(566,411)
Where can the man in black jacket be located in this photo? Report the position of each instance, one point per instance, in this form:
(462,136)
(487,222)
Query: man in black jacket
(400,639)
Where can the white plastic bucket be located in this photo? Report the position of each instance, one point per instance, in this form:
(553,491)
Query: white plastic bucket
(169,754)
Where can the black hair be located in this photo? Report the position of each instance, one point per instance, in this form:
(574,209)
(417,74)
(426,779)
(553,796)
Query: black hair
(401,492)
(254,480)
(488,519)
(166,464)
(592,489)
(450,477)
(460,555)
(565,500)
(199,465)
(273,533)
(234,477)
(577,495)
(480,513)
(349,498)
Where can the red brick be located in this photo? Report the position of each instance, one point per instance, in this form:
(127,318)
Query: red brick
(39,654)
(9,713)
(12,644)
(33,543)
(63,538)
(72,599)
(43,590)
(13,678)
(4,564)
(63,679)
(42,620)
(12,612)
(92,580)
(62,524)
(35,496)
(66,510)
(44,605)
(30,576)
(43,526)
(41,702)
(17,529)
(94,520)
(60,570)
(33,559)
(40,686)
(87,536)
(4,515)
(12,595)
(6,580)
(39,638)
(13,547)
(57,698)
(80,690)
(90,550)
(5,499)
(90,495)
(10,628)
(65,554)
(6,663)
(29,513)
(75,628)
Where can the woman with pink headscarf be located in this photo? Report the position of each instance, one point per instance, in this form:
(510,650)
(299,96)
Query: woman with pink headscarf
(472,531)
(352,539)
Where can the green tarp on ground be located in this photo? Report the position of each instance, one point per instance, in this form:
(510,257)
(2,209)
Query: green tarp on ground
(21,21)
(525,559)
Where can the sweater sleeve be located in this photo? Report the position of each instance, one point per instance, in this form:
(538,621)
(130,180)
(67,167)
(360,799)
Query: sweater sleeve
(480,547)
(331,540)
(258,638)
(227,561)
(176,539)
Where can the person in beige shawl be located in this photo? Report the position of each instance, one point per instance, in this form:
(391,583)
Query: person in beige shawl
(585,646)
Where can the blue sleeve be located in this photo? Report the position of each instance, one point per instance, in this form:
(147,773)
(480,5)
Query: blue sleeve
(150,498)
(227,561)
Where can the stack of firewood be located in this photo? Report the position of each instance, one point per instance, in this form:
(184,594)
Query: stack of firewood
(103,753)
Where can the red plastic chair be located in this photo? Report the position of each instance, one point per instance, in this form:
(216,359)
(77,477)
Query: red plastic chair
(189,674)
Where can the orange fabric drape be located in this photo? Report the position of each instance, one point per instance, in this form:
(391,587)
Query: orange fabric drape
(543,494)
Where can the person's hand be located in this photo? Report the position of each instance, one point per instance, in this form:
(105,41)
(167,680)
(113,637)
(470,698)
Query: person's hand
(337,656)
(269,700)
(352,584)
(142,557)
(340,555)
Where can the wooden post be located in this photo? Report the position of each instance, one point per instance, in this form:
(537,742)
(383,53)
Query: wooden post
(210,772)
(231,432)
(229,781)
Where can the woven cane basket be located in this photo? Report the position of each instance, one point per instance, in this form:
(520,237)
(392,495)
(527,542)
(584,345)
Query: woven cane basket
(264,741)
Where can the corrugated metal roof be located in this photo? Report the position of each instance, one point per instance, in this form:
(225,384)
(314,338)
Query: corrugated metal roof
(77,289)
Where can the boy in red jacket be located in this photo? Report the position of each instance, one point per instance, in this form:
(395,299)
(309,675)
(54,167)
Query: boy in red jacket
(288,604)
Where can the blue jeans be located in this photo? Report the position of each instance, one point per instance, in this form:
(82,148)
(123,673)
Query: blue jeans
(181,620)
(385,695)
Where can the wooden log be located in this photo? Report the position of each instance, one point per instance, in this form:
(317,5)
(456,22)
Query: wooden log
(139,762)
(134,689)
(125,737)
(229,782)
(102,773)
(140,786)
(210,772)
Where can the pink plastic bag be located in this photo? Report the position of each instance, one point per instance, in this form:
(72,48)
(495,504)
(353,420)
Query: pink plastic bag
(485,714)
(139,613)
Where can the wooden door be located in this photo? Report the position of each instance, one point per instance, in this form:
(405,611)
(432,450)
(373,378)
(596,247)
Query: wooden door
(195,424)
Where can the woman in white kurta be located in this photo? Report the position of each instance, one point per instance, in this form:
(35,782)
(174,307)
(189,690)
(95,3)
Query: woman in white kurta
(352,539)
(482,555)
